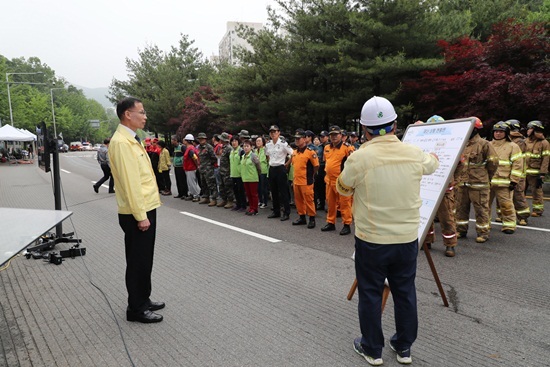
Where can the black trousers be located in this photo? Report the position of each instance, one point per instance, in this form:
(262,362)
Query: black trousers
(166,183)
(140,247)
(280,192)
(181,181)
(106,176)
(319,187)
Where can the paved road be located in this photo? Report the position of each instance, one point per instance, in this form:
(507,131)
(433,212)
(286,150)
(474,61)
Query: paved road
(235,299)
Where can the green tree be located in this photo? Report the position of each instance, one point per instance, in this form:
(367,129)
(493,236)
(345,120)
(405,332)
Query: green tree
(320,60)
(162,80)
(489,12)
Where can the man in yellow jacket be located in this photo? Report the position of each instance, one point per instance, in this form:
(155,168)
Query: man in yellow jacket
(137,198)
(384,178)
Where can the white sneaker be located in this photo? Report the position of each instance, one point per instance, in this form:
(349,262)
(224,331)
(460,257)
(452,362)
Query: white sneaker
(359,350)
(403,356)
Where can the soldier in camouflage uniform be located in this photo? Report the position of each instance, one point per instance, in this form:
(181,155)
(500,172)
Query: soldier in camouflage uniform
(207,160)
(226,183)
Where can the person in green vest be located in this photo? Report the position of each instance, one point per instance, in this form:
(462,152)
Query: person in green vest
(250,174)
(235,173)
(263,188)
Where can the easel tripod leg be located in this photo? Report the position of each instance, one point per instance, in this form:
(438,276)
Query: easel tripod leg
(434,273)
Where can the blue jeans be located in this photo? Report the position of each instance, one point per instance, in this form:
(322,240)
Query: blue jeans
(373,264)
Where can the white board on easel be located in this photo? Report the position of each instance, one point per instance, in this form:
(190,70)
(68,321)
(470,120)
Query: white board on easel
(447,140)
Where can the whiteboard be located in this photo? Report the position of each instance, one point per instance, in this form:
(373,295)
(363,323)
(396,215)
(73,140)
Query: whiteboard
(447,140)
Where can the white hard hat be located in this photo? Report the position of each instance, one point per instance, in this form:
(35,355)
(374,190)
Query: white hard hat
(189,137)
(377,111)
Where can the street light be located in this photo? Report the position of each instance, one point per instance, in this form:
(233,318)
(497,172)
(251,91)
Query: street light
(53,113)
(8,83)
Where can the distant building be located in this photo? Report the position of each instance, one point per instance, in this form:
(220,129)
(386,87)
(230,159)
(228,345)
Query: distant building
(231,40)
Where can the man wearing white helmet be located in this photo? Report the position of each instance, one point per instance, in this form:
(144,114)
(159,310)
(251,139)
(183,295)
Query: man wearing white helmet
(384,178)
(190,165)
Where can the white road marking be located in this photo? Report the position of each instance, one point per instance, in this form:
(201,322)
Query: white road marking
(64,170)
(250,233)
(518,227)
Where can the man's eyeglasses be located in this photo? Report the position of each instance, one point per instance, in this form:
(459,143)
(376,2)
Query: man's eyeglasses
(142,112)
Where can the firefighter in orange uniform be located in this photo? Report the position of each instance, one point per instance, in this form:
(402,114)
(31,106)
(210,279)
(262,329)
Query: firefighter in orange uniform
(335,155)
(306,164)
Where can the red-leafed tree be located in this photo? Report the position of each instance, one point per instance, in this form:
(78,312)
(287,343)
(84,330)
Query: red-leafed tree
(506,77)
(199,113)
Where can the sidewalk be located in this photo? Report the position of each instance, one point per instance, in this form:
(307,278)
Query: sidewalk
(235,300)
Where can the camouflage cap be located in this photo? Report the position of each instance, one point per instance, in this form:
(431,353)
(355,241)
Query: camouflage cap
(244,134)
(201,136)
(224,137)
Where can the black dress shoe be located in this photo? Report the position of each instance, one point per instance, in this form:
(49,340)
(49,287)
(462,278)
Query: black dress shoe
(96,189)
(274,215)
(311,223)
(328,227)
(299,221)
(285,217)
(145,317)
(346,230)
(112,192)
(154,306)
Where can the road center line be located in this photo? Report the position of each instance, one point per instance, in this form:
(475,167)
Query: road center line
(64,170)
(518,227)
(250,233)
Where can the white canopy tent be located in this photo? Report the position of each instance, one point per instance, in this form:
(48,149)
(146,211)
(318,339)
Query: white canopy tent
(27,132)
(10,133)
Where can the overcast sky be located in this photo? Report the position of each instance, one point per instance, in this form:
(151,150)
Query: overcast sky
(87,42)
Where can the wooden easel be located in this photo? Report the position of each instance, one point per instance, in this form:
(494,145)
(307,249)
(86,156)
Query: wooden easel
(386,292)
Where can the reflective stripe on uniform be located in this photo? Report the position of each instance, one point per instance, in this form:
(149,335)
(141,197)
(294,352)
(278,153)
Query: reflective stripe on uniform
(500,181)
(504,163)
(532,171)
(449,235)
(516,156)
(462,222)
(538,206)
(516,173)
(524,211)
(482,226)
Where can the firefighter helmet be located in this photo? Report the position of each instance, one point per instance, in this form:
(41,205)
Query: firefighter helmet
(477,124)
(514,124)
(536,124)
(501,126)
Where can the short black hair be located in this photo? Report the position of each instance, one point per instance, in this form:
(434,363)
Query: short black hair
(161,143)
(125,104)
(107,141)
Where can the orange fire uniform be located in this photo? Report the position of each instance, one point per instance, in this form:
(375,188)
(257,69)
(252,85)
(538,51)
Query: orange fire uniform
(335,157)
(306,164)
